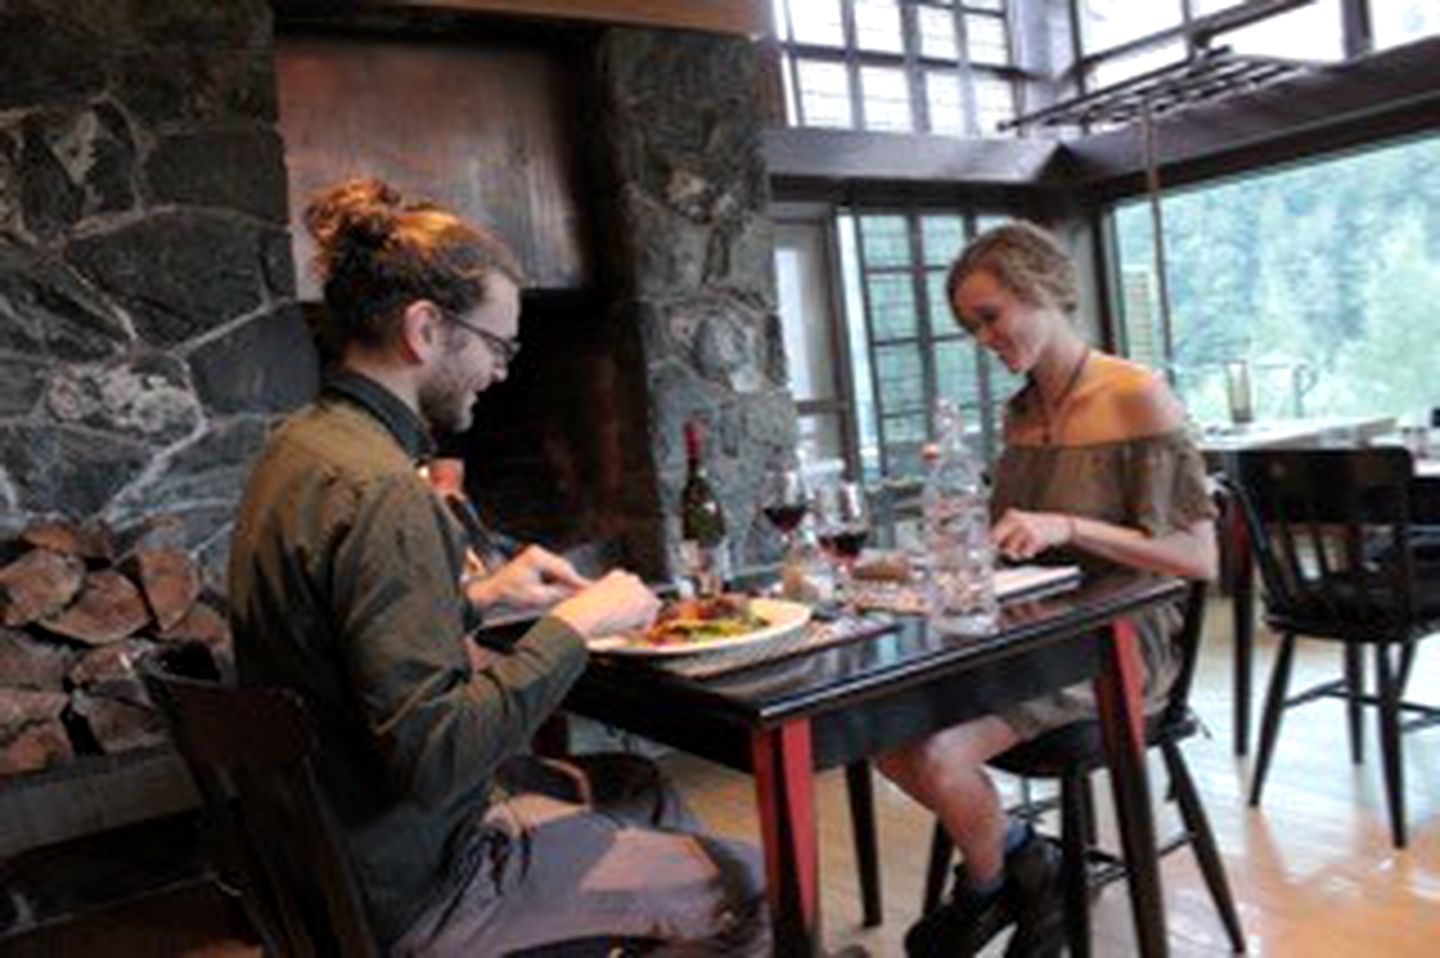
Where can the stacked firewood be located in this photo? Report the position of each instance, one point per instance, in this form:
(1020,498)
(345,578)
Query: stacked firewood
(77,610)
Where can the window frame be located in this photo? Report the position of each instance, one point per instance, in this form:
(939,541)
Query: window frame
(930,331)
(821,218)
(916,65)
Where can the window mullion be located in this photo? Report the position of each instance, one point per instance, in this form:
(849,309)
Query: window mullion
(852,66)
(792,64)
(843,380)
(910,40)
(968,104)
(1077,51)
(870,342)
(923,327)
(1357,27)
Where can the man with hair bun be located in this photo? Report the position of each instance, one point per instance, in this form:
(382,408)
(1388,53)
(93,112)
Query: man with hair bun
(348,584)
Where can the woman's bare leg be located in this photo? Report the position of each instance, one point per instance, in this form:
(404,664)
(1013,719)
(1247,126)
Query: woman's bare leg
(946,774)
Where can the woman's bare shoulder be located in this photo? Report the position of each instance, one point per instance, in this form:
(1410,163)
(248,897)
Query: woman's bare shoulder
(1139,402)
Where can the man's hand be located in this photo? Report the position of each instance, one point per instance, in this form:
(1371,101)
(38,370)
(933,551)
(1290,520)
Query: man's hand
(535,579)
(1024,535)
(617,603)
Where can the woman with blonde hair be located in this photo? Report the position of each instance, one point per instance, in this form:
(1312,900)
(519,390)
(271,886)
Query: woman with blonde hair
(1097,469)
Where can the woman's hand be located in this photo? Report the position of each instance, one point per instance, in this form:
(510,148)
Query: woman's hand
(535,579)
(619,602)
(1024,535)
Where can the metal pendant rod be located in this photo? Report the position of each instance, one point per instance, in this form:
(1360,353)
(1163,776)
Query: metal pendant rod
(1157,226)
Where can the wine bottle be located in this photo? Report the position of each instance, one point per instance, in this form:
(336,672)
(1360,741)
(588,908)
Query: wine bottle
(704,548)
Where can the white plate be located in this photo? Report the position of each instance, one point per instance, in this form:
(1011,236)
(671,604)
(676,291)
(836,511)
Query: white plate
(781,617)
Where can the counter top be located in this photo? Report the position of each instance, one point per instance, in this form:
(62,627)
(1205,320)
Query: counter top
(1281,433)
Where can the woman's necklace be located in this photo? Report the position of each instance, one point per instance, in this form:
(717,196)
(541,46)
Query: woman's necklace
(1047,426)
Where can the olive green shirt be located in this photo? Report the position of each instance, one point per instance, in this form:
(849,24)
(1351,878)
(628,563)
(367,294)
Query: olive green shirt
(344,585)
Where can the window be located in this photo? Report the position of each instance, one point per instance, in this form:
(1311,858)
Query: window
(1400,21)
(1322,276)
(1313,32)
(1121,39)
(902,66)
(815,353)
(1105,24)
(906,348)
(825,93)
(1118,69)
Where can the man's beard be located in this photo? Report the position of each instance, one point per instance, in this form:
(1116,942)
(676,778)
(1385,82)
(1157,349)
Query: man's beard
(447,404)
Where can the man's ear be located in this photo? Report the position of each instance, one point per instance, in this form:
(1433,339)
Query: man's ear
(420,331)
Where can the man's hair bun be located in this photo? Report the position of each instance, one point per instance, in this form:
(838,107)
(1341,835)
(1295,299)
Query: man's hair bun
(376,252)
(356,213)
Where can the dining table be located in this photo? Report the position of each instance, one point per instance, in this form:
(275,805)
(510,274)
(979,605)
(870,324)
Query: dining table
(782,714)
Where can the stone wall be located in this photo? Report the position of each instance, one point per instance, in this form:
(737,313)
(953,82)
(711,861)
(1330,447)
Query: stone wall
(688,254)
(148,331)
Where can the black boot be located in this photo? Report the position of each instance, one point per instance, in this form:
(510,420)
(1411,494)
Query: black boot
(961,925)
(1030,899)
(1032,880)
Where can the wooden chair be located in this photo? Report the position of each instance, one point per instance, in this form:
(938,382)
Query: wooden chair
(251,753)
(1069,754)
(1331,533)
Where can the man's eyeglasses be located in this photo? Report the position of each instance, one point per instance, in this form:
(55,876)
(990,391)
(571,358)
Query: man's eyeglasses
(505,349)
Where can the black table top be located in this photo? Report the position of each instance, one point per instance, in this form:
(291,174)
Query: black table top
(865,682)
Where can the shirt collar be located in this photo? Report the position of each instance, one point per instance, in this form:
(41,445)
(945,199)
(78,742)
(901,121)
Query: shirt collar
(399,420)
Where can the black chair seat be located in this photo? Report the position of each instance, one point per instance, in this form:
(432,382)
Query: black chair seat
(1079,746)
(1349,608)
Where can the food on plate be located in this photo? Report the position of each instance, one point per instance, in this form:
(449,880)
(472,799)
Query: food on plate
(703,620)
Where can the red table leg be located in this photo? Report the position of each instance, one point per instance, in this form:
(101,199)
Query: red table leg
(784,791)
(1122,724)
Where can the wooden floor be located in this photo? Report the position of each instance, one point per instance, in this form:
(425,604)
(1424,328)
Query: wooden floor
(1313,871)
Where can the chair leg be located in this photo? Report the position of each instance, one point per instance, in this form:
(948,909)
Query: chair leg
(860,788)
(1389,694)
(1202,839)
(1407,659)
(941,849)
(1087,811)
(1073,875)
(1274,708)
(1027,797)
(1354,688)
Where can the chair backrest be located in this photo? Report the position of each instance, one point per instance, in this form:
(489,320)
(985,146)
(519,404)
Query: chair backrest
(250,753)
(1329,529)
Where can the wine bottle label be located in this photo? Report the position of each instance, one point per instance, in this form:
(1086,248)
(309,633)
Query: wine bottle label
(707,566)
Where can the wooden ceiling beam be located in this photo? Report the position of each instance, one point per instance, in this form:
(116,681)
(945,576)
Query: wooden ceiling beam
(747,18)
(809,153)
